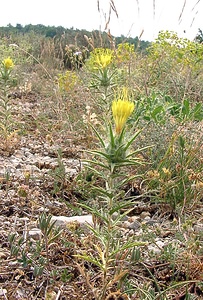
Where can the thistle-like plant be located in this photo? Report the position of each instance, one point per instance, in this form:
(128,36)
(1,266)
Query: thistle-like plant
(5,111)
(108,164)
(102,71)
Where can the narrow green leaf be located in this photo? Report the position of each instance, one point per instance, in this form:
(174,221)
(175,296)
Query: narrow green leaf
(128,245)
(98,136)
(139,150)
(121,136)
(157,111)
(112,139)
(96,163)
(90,259)
(93,211)
(132,139)
(100,153)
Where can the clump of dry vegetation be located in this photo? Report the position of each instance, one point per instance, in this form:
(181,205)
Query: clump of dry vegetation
(117,136)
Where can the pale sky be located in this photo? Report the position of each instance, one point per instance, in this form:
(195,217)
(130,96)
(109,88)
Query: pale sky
(134,16)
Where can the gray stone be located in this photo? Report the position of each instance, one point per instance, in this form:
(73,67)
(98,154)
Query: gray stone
(151,222)
(135,225)
(35,233)
(3,292)
(198,228)
(63,221)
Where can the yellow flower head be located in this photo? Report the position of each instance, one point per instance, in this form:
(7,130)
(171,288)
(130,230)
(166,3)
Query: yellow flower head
(8,63)
(101,58)
(166,171)
(153,174)
(122,109)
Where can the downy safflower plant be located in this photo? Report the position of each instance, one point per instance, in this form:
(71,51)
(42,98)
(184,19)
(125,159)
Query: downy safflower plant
(107,164)
(103,72)
(6,125)
(6,67)
(119,140)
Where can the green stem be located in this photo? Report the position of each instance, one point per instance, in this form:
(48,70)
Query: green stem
(110,186)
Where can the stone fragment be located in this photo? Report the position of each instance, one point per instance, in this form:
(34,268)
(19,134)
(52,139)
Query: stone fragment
(35,233)
(3,292)
(63,221)
(198,228)
(135,225)
(144,214)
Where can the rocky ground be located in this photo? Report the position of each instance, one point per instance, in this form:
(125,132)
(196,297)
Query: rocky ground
(27,189)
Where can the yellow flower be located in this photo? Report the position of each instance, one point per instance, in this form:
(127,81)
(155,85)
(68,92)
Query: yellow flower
(199,185)
(103,60)
(121,109)
(153,174)
(166,171)
(8,63)
(100,58)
